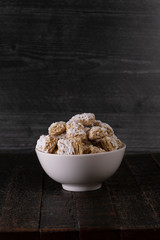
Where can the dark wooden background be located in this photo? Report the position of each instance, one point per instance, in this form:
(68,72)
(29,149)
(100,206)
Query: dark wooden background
(58,58)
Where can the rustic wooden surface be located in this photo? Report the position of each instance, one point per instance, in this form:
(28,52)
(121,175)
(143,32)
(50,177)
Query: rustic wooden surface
(58,58)
(20,196)
(33,206)
(63,56)
(79,56)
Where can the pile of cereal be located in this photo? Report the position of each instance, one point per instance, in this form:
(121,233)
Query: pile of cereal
(82,134)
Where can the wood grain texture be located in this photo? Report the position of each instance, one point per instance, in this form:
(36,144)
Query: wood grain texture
(58,213)
(20,210)
(63,57)
(66,56)
(133,209)
(147,176)
(96,215)
(19,132)
(125,208)
(89,6)
(58,58)
(92,214)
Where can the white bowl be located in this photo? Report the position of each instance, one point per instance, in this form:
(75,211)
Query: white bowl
(81,172)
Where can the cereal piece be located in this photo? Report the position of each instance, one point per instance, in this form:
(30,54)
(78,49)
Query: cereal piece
(86,142)
(97,133)
(109,143)
(46,144)
(72,124)
(75,129)
(65,147)
(89,148)
(57,128)
(108,128)
(97,123)
(70,146)
(86,146)
(92,149)
(84,118)
(86,150)
(78,145)
(95,149)
(87,131)
(120,144)
(61,136)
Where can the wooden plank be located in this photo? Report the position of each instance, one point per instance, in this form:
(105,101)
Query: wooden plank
(58,212)
(90,6)
(20,211)
(75,34)
(121,51)
(96,215)
(147,175)
(133,210)
(20,132)
(106,96)
(5,177)
(95,210)
(109,51)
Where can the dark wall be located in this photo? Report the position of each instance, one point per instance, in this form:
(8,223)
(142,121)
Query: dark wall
(62,57)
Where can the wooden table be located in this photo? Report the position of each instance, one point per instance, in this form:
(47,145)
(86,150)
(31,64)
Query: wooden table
(32,206)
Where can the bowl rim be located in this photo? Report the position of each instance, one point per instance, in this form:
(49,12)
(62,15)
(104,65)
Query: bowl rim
(78,155)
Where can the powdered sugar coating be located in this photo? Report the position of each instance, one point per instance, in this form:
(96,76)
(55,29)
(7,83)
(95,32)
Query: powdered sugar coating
(108,128)
(46,144)
(82,134)
(97,133)
(120,144)
(74,125)
(84,118)
(57,128)
(110,143)
(70,146)
(75,129)
(61,136)
(97,123)
(65,147)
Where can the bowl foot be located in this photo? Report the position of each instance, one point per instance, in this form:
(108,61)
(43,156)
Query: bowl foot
(81,187)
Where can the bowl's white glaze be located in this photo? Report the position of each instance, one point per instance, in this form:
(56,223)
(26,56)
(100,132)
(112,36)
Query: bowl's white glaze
(81,172)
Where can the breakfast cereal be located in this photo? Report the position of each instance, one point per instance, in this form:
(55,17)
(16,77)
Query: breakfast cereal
(84,118)
(75,129)
(69,146)
(46,143)
(97,133)
(57,128)
(110,143)
(106,126)
(82,134)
